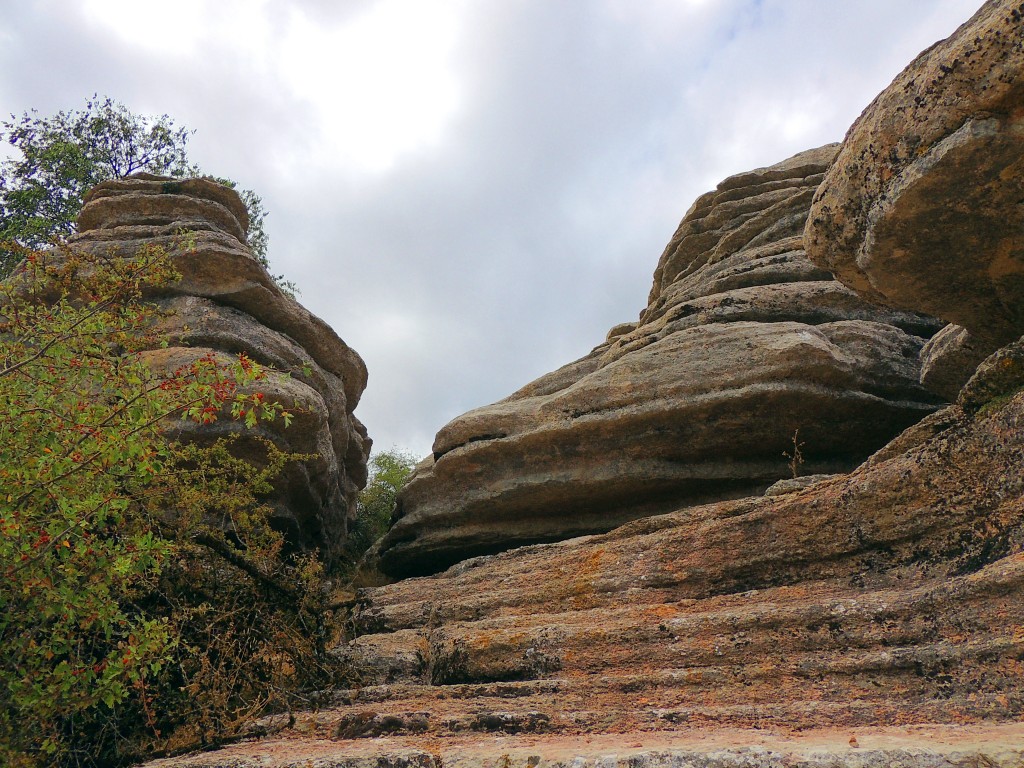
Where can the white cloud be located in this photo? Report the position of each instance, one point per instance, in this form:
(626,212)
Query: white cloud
(380,85)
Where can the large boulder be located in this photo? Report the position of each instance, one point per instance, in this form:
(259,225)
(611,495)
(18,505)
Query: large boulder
(922,207)
(226,303)
(748,365)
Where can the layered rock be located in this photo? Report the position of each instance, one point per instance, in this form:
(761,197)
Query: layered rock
(871,619)
(921,209)
(745,353)
(226,303)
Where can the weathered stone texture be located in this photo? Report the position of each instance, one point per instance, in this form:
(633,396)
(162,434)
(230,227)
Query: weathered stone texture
(888,595)
(226,303)
(922,207)
(872,618)
(744,343)
(949,359)
(882,602)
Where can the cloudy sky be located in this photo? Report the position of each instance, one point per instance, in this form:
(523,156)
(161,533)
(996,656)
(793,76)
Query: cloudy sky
(471,192)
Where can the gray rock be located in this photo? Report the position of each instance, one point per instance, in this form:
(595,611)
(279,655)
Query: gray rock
(999,376)
(949,359)
(794,484)
(226,303)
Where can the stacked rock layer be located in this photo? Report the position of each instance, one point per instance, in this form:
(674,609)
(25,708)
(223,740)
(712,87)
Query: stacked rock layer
(877,614)
(226,303)
(745,353)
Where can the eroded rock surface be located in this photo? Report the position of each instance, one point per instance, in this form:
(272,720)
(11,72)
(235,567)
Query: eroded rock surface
(949,359)
(921,209)
(744,348)
(870,619)
(226,303)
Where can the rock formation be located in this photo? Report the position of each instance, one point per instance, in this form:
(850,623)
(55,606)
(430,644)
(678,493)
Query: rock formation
(949,359)
(871,619)
(744,348)
(226,303)
(868,619)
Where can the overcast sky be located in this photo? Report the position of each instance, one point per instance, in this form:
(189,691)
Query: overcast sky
(472,192)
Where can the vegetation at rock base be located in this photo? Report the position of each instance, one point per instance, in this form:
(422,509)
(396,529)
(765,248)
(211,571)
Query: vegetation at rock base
(64,155)
(388,473)
(146,604)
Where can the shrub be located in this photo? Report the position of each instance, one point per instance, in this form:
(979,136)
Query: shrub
(145,601)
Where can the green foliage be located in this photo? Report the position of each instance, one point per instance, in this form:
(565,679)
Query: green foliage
(389,471)
(145,602)
(63,156)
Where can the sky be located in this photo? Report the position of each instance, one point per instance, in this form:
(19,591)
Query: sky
(472,192)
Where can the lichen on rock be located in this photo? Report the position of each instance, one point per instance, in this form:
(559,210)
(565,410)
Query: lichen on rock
(921,209)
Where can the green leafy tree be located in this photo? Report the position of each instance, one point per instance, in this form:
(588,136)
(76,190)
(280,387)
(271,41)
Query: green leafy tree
(63,156)
(388,473)
(145,601)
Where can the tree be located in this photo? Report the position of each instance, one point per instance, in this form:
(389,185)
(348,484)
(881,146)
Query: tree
(65,155)
(389,471)
(145,602)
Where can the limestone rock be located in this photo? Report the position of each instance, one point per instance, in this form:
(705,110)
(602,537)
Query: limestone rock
(869,619)
(989,746)
(794,484)
(743,343)
(949,359)
(880,604)
(226,303)
(921,209)
(891,594)
(999,376)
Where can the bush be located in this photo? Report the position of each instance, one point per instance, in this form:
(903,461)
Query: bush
(145,601)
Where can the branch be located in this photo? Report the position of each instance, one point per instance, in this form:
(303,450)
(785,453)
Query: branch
(232,556)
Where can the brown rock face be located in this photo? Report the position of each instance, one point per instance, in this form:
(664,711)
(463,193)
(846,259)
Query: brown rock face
(744,345)
(866,620)
(888,595)
(884,602)
(921,209)
(226,303)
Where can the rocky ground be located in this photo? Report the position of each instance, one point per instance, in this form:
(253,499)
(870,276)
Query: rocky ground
(763,631)
(988,746)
